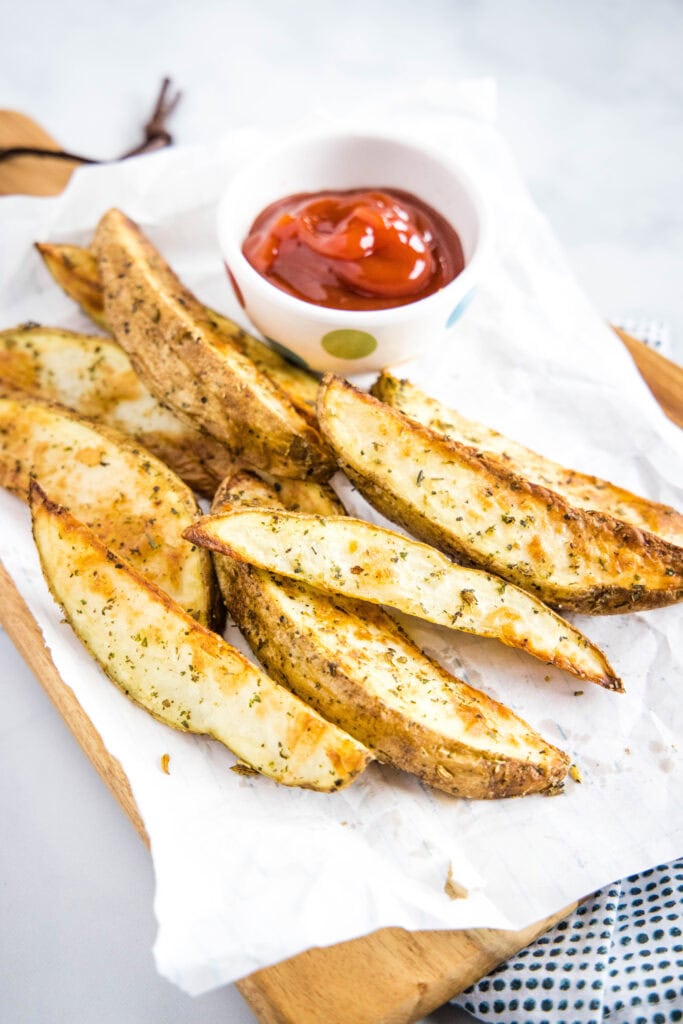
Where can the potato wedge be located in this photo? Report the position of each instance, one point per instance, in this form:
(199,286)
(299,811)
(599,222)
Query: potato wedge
(579,489)
(480,512)
(341,555)
(190,367)
(93,376)
(181,672)
(133,503)
(75,271)
(298,384)
(354,664)
(249,490)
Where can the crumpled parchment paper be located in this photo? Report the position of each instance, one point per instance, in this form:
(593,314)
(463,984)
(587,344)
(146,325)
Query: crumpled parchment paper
(249,873)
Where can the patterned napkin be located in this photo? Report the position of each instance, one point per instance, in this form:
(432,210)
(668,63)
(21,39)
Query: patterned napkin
(655,333)
(619,957)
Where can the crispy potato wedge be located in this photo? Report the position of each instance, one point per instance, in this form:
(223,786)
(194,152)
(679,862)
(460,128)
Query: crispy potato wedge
(93,376)
(133,503)
(181,672)
(354,664)
(480,512)
(190,367)
(299,385)
(75,271)
(580,489)
(249,490)
(288,390)
(341,555)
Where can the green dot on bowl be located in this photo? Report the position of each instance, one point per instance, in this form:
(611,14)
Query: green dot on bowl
(348,344)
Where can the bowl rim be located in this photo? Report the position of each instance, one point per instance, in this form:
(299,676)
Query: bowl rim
(458,288)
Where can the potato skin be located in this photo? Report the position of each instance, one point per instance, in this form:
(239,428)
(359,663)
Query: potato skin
(350,660)
(190,367)
(579,489)
(298,384)
(483,514)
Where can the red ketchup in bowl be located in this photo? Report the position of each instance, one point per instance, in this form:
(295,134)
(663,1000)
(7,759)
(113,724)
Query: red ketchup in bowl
(358,249)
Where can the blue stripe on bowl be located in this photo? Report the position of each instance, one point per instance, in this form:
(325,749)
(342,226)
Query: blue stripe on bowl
(461,307)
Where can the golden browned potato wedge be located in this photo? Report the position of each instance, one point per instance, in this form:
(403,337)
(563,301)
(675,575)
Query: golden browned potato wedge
(75,271)
(352,663)
(341,555)
(93,377)
(134,503)
(181,672)
(248,490)
(299,384)
(480,512)
(580,490)
(190,367)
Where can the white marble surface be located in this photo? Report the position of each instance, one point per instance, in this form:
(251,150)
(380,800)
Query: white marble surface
(590,96)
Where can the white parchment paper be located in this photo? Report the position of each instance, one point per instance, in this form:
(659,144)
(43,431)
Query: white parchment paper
(248,872)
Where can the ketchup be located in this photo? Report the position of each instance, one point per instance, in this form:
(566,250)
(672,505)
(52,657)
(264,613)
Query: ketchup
(360,249)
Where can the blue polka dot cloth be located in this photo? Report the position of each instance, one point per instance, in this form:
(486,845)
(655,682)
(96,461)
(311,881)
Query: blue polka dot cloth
(618,958)
(654,333)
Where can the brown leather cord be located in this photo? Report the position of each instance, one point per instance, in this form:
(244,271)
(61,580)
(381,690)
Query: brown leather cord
(157,135)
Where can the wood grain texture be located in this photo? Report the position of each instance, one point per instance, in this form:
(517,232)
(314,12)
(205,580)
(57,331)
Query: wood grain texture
(664,378)
(30,175)
(392,976)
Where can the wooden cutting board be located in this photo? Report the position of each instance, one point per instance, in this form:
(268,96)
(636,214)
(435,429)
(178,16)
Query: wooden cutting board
(392,976)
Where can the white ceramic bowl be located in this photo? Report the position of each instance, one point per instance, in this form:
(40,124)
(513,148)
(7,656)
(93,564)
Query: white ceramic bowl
(347,341)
